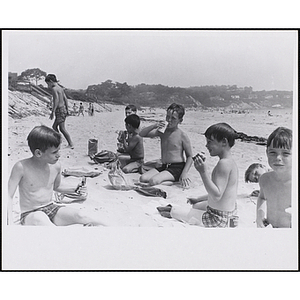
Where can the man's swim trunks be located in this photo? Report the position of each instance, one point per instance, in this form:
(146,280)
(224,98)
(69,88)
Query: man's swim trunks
(61,114)
(218,218)
(50,210)
(175,169)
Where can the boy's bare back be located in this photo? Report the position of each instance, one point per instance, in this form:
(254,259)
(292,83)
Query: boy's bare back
(278,196)
(59,96)
(225,177)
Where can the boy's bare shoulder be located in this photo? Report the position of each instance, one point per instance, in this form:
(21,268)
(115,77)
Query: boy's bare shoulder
(227,163)
(266,178)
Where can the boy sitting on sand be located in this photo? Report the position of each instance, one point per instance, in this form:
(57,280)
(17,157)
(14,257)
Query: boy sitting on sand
(274,200)
(36,178)
(123,134)
(134,146)
(174,144)
(221,187)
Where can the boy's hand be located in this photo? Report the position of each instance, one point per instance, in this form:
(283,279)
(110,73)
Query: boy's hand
(185,181)
(199,164)
(81,189)
(192,201)
(159,125)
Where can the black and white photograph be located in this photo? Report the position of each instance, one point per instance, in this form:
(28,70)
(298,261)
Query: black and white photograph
(150,149)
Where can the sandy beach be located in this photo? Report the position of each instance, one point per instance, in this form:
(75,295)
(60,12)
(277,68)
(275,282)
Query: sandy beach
(128,208)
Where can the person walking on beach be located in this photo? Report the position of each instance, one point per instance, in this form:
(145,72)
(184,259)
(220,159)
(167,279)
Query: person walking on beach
(174,145)
(74,109)
(59,107)
(92,109)
(81,109)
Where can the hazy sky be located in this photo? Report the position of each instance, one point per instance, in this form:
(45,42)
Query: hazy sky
(264,60)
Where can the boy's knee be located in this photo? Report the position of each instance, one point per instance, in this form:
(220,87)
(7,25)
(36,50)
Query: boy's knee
(154,181)
(144,178)
(126,170)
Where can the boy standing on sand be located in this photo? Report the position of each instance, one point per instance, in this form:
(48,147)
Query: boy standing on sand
(221,187)
(174,144)
(36,178)
(134,146)
(274,200)
(59,108)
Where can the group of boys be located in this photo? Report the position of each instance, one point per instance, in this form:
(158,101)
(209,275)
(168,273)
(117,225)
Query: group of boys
(39,175)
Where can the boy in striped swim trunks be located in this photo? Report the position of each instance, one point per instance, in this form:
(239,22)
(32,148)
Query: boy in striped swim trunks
(37,177)
(220,210)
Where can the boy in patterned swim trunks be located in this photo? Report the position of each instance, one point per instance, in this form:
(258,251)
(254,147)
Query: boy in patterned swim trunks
(37,177)
(221,187)
(174,145)
(60,107)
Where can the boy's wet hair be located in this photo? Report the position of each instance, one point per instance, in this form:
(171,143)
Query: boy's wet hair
(43,137)
(220,131)
(251,168)
(51,77)
(133,120)
(281,137)
(131,107)
(178,108)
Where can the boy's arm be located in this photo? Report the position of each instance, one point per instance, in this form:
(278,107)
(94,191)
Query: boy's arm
(189,160)
(58,187)
(132,142)
(260,207)
(151,131)
(13,182)
(66,102)
(54,103)
(215,189)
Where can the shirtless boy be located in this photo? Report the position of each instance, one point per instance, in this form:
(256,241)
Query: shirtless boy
(174,144)
(123,134)
(59,108)
(221,187)
(134,146)
(274,200)
(36,178)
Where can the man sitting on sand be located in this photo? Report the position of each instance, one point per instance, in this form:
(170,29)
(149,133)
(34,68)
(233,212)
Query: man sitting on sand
(221,187)
(275,196)
(59,108)
(37,177)
(174,144)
